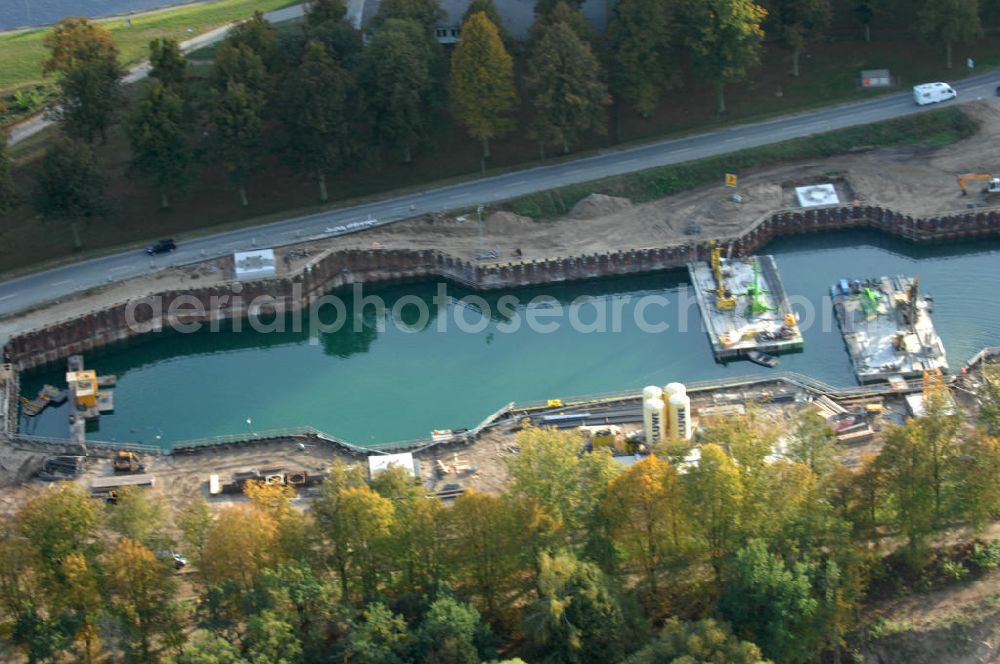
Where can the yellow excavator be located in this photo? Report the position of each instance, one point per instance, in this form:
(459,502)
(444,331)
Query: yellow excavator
(724,299)
(992,183)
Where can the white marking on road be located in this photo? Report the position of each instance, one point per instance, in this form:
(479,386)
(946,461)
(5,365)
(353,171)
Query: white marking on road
(120,267)
(630,161)
(7,297)
(60,283)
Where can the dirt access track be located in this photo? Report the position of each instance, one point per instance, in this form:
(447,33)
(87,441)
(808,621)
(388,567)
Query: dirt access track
(915,179)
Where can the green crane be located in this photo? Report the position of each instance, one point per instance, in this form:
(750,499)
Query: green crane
(755,294)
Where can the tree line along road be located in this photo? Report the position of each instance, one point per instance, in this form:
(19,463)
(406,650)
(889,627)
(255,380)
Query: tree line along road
(32,290)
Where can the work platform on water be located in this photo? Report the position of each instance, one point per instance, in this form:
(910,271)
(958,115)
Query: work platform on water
(744,306)
(87,399)
(887,327)
(49,395)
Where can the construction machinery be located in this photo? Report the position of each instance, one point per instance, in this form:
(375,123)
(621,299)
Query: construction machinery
(992,183)
(724,299)
(127,462)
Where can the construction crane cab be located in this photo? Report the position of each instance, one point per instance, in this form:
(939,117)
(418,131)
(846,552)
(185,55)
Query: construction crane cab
(724,299)
(127,462)
(992,183)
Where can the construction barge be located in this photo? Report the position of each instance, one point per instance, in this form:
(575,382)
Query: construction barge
(887,327)
(744,307)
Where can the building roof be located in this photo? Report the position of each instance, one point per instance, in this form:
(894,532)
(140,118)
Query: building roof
(517,15)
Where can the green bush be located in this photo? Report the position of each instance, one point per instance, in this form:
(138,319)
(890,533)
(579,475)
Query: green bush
(986,555)
(938,128)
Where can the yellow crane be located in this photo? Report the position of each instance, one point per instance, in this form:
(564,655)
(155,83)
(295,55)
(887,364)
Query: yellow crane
(724,299)
(992,183)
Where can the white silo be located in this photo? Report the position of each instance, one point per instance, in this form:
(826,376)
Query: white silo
(674,388)
(652,420)
(679,406)
(651,392)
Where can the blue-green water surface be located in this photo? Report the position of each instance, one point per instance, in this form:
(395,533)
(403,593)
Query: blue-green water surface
(372,386)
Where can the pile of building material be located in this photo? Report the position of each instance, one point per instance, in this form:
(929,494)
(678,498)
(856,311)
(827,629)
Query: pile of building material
(272,476)
(56,468)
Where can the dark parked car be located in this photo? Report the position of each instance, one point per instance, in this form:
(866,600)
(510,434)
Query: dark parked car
(161,247)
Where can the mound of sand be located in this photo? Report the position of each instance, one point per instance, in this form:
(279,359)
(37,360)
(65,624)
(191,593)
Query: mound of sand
(599,205)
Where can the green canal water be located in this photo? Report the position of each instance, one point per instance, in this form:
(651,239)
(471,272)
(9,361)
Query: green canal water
(372,385)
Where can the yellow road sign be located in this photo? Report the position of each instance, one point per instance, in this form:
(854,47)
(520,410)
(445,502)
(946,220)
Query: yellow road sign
(730,179)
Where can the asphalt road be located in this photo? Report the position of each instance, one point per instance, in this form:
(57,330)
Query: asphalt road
(31,290)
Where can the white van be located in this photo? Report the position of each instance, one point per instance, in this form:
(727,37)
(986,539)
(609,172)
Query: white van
(929,93)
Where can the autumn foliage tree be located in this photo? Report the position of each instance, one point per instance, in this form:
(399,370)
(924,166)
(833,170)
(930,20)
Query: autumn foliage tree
(85,57)
(483,94)
(724,38)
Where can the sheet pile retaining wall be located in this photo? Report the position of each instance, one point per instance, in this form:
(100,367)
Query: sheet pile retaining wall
(337,268)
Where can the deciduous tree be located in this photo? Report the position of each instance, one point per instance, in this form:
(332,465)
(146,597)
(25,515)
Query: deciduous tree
(271,640)
(724,38)
(71,186)
(576,619)
(425,13)
(204,647)
(770,602)
(159,131)
(260,37)
(237,132)
(86,58)
(142,594)
(169,66)
(238,63)
(813,442)
(798,22)
(641,34)
(380,637)
(713,494)
(449,633)
(977,476)
(321,11)
(8,192)
(647,516)
(565,482)
(77,40)
(950,22)
(397,73)
(356,522)
(866,11)
(137,516)
(490,9)
(566,87)
(703,642)
(90,98)
(240,544)
(482,81)
(321,117)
